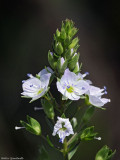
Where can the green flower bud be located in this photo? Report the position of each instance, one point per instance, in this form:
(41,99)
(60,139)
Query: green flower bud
(32,126)
(63,34)
(73,61)
(58,48)
(51,59)
(74,43)
(72,32)
(77,68)
(57,33)
(105,153)
(61,65)
(48,108)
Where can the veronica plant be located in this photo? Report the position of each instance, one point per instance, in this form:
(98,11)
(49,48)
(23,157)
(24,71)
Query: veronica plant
(72,85)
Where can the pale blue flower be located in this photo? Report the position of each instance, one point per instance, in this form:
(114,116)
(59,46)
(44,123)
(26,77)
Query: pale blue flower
(71,86)
(95,94)
(63,128)
(36,87)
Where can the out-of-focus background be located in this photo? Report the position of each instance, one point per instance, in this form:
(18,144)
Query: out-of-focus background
(27,28)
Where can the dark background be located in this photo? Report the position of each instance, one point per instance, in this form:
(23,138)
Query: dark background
(27,29)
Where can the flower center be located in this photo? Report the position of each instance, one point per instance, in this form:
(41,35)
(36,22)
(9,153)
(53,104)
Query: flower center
(63,129)
(70,89)
(40,91)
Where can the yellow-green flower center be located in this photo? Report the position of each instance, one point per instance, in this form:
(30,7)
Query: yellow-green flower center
(63,129)
(70,89)
(40,91)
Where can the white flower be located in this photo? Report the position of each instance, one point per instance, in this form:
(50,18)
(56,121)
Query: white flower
(35,88)
(95,94)
(71,87)
(63,128)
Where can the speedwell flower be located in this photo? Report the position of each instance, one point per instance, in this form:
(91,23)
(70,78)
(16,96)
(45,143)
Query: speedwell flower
(95,94)
(71,86)
(36,87)
(63,128)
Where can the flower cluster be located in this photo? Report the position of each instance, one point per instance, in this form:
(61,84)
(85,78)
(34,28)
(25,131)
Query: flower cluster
(71,85)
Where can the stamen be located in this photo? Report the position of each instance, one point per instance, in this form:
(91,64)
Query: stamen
(87,73)
(60,140)
(68,87)
(105,88)
(83,88)
(98,138)
(16,127)
(37,108)
(105,92)
(29,75)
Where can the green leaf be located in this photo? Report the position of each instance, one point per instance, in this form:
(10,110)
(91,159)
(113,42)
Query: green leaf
(73,151)
(49,141)
(32,126)
(48,108)
(88,134)
(105,153)
(88,114)
(50,124)
(43,154)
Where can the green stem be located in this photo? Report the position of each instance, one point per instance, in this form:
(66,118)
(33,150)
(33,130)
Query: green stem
(65,149)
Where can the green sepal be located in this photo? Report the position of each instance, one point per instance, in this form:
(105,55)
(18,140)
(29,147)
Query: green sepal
(32,126)
(72,32)
(63,34)
(61,68)
(73,43)
(63,116)
(49,141)
(77,68)
(37,76)
(48,108)
(105,153)
(57,33)
(88,134)
(51,60)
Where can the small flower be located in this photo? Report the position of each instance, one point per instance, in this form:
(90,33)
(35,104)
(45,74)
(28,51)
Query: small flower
(95,94)
(71,87)
(63,128)
(35,88)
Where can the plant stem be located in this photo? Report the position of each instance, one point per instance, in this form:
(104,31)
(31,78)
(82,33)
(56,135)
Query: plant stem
(65,149)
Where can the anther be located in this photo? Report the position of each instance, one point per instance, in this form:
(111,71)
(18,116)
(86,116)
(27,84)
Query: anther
(98,138)
(37,108)
(105,92)
(16,127)
(105,88)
